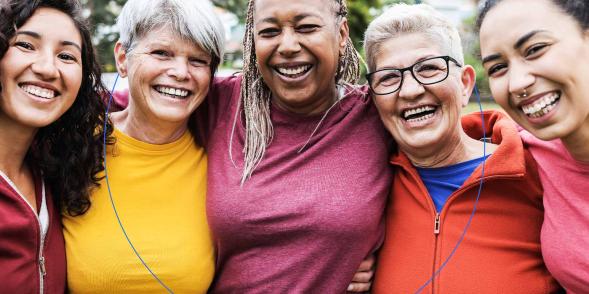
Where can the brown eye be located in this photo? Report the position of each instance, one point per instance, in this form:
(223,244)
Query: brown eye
(496,68)
(535,49)
(269,32)
(24,45)
(307,28)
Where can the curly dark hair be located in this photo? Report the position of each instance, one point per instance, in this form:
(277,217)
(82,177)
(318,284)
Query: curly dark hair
(68,152)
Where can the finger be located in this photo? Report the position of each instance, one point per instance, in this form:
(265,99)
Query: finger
(359,287)
(367,264)
(363,277)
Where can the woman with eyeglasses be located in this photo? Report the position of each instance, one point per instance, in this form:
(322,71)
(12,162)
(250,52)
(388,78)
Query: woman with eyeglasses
(420,85)
(536,54)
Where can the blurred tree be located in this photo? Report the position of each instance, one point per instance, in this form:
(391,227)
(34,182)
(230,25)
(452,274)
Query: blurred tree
(103,13)
(472,55)
(237,7)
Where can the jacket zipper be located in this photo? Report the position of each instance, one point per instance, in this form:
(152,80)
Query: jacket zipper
(41,261)
(436,234)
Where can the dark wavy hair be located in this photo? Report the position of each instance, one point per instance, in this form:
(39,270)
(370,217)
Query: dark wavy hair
(578,9)
(68,153)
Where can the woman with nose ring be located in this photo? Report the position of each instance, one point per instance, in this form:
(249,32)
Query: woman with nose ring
(536,53)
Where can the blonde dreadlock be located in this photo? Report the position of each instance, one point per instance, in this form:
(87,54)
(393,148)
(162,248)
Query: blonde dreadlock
(255,94)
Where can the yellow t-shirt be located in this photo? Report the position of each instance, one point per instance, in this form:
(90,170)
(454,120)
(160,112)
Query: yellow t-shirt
(159,192)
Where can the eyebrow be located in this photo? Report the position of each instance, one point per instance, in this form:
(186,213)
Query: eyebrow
(525,38)
(296,18)
(520,42)
(37,36)
(491,58)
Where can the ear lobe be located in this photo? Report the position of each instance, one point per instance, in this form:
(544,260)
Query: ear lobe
(344,32)
(468,83)
(121,59)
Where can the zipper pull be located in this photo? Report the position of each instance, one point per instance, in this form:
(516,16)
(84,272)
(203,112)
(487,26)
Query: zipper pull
(437,224)
(42,266)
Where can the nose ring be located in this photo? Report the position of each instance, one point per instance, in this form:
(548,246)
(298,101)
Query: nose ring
(523,95)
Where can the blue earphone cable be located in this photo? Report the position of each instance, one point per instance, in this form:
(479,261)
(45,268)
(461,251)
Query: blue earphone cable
(474,209)
(112,200)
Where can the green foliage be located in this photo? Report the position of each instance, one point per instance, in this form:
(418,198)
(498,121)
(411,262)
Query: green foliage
(238,7)
(472,55)
(103,14)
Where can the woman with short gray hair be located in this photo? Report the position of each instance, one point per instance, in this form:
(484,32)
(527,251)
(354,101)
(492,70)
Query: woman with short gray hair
(420,85)
(146,230)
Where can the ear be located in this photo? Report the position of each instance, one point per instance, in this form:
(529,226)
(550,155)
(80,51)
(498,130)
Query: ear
(344,34)
(121,59)
(468,79)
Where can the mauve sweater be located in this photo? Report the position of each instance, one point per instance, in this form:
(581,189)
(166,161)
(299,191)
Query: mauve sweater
(304,221)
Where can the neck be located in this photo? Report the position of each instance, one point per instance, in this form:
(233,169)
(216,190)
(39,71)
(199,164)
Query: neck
(15,141)
(457,149)
(139,127)
(315,107)
(578,142)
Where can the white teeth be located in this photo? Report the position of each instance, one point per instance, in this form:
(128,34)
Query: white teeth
(293,71)
(418,110)
(421,118)
(541,106)
(39,91)
(172,91)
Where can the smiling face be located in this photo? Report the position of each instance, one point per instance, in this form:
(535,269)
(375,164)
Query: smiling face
(532,45)
(41,72)
(422,118)
(298,44)
(168,77)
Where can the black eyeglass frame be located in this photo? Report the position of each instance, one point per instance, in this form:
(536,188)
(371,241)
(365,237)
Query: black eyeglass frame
(410,69)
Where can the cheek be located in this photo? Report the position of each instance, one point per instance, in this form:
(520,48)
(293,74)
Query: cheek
(73,79)
(499,92)
(385,103)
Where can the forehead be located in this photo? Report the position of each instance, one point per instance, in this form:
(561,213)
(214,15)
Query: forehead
(166,36)
(42,17)
(406,49)
(281,9)
(505,23)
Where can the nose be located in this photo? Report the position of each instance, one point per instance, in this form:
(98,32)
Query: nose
(179,69)
(44,66)
(410,88)
(520,78)
(289,43)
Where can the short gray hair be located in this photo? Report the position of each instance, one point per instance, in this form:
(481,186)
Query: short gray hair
(194,20)
(403,19)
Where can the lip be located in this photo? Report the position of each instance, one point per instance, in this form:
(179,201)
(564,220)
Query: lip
(405,108)
(292,65)
(543,119)
(531,100)
(173,86)
(422,123)
(165,97)
(41,85)
(534,98)
(190,93)
(36,98)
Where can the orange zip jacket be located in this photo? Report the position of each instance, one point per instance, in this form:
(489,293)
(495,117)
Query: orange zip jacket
(501,250)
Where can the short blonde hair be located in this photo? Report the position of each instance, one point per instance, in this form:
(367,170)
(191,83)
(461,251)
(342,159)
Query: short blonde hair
(403,19)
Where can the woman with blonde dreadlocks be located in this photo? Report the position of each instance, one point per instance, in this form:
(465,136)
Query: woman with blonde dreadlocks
(298,174)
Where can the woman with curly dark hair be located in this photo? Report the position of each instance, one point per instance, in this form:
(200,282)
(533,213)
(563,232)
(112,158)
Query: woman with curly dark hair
(51,122)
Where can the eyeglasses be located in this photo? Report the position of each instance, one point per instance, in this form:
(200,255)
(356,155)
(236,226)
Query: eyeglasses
(426,72)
